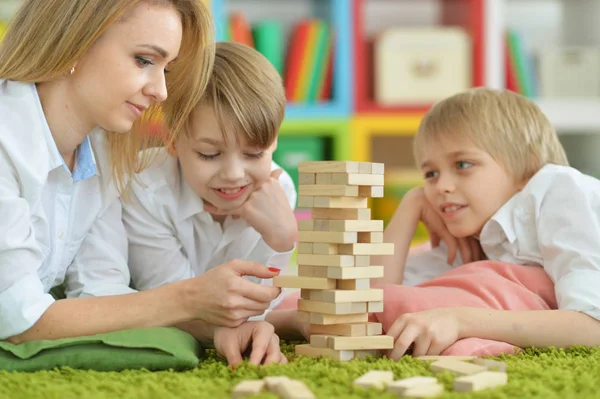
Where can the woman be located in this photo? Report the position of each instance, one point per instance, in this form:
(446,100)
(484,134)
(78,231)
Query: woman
(77,77)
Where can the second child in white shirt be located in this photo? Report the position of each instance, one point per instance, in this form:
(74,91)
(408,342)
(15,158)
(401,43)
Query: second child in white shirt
(217,196)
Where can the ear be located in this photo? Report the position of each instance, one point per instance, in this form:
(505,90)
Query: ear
(171,147)
(274,145)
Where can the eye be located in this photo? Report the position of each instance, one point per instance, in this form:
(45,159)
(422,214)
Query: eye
(429,174)
(463,164)
(143,61)
(256,155)
(208,157)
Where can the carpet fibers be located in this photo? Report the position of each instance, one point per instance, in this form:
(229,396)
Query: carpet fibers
(566,374)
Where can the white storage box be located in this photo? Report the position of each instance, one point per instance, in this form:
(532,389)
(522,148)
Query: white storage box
(569,72)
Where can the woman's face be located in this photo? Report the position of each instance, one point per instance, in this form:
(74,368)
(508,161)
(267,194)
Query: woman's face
(123,72)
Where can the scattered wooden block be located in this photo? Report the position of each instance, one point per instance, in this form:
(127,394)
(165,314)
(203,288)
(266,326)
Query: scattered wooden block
(378,379)
(399,387)
(306,178)
(328,319)
(352,273)
(371,191)
(357,343)
(425,391)
(293,389)
(358,284)
(328,190)
(320,248)
(370,295)
(328,166)
(305,201)
(305,247)
(315,283)
(327,236)
(308,350)
(436,358)
(339,202)
(272,381)
(366,249)
(480,381)
(341,214)
(491,365)
(456,367)
(247,388)
(370,237)
(336,261)
(341,308)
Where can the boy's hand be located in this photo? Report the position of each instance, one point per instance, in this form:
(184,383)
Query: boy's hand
(469,247)
(429,332)
(258,335)
(268,211)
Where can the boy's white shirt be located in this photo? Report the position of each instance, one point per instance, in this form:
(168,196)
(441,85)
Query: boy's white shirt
(172,237)
(554,222)
(52,229)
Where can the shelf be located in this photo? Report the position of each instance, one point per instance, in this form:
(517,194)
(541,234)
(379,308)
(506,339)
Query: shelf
(336,129)
(572,115)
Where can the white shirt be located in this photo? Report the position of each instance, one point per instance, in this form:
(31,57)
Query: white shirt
(553,222)
(172,238)
(55,226)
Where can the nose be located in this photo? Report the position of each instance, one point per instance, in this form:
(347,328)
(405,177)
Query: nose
(157,88)
(233,171)
(445,183)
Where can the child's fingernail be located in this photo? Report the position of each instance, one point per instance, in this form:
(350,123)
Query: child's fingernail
(274,269)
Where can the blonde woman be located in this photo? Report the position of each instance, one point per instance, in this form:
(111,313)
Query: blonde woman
(77,77)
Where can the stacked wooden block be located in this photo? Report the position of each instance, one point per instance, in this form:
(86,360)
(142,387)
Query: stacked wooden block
(334,259)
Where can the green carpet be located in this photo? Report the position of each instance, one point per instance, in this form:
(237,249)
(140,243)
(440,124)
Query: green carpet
(573,373)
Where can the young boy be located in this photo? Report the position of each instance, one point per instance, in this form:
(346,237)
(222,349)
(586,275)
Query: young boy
(220,197)
(496,172)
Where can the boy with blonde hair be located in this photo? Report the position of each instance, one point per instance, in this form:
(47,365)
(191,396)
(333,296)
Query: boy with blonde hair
(496,177)
(220,198)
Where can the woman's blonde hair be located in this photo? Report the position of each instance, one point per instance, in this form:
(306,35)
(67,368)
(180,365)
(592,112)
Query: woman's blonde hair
(508,126)
(46,38)
(246,93)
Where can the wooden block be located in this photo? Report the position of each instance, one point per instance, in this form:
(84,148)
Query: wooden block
(294,389)
(352,273)
(365,168)
(436,358)
(307,350)
(362,260)
(328,167)
(335,237)
(490,365)
(312,271)
(425,391)
(355,179)
(320,248)
(306,178)
(247,388)
(358,284)
(319,341)
(342,308)
(371,191)
(314,283)
(356,343)
(339,202)
(324,178)
(305,248)
(328,190)
(341,214)
(367,249)
(336,261)
(328,319)
(348,296)
(399,387)
(374,329)
(375,307)
(377,379)
(345,330)
(341,225)
(456,367)
(305,201)
(377,168)
(370,237)
(481,381)
(362,354)
(272,381)
(306,294)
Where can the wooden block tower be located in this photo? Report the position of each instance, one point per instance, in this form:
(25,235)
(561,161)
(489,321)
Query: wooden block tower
(334,263)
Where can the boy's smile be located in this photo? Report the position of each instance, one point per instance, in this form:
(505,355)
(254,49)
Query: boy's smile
(464,184)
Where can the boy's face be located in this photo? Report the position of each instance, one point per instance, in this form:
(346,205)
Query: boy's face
(221,174)
(464,184)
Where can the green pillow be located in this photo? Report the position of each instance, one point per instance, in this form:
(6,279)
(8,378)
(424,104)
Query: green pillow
(159,348)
